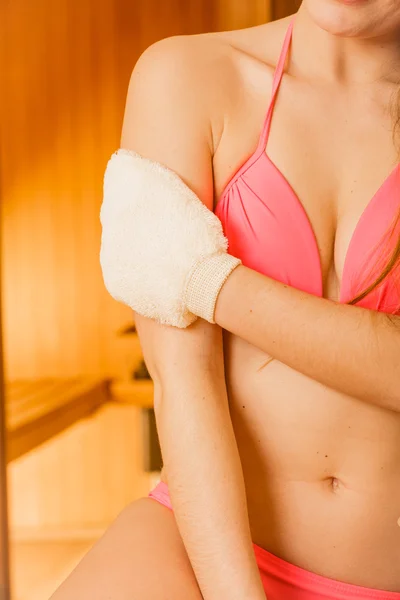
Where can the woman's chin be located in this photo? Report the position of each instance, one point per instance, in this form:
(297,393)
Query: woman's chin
(342,18)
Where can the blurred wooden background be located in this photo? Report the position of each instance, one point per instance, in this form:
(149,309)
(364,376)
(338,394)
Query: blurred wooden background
(283,8)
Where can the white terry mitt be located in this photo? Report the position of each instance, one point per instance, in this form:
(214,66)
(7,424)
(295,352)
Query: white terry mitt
(163,252)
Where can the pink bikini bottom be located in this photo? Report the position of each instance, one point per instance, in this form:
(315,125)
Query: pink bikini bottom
(284,581)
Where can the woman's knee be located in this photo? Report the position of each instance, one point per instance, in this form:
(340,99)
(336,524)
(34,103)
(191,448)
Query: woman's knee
(141,556)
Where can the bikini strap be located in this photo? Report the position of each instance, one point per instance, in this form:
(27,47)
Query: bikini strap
(275,86)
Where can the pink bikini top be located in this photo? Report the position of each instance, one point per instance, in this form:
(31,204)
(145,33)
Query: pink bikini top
(269,230)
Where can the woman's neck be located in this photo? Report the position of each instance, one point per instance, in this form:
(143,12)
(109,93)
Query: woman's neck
(318,54)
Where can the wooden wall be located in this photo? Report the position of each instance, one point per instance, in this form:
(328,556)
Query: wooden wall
(284,8)
(4,542)
(75,485)
(67,70)
(4,525)
(237,14)
(64,71)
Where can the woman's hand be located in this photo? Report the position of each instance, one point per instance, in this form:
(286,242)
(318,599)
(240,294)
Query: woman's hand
(163,251)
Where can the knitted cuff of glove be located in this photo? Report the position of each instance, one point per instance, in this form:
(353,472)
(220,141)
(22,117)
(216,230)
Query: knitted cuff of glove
(205,282)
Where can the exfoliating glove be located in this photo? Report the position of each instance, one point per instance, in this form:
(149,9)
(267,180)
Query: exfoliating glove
(163,252)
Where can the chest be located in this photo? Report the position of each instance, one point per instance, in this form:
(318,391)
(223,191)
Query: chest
(342,168)
(330,177)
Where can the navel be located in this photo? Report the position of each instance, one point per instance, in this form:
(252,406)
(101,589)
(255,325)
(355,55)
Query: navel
(334,484)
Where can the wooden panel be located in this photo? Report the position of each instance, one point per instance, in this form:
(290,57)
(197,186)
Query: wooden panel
(38,568)
(238,14)
(136,393)
(4,559)
(67,69)
(4,562)
(284,8)
(37,410)
(80,480)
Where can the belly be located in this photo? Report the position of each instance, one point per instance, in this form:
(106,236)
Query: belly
(322,470)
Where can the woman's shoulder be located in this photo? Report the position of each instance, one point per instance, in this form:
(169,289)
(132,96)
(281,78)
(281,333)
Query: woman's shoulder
(184,90)
(188,61)
(210,63)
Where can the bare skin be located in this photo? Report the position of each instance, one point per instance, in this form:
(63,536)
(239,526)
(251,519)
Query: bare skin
(141,557)
(321,469)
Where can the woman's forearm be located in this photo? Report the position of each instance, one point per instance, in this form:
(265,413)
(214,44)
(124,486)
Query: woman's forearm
(351,349)
(206,484)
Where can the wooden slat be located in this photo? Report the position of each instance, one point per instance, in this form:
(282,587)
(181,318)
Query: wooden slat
(32,397)
(4,549)
(237,14)
(41,397)
(284,8)
(38,410)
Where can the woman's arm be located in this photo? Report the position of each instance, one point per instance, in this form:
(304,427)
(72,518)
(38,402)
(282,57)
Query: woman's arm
(200,456)
(351,349)
(167,119)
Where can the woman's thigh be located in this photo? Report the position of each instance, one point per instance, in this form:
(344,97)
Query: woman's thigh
(140,557)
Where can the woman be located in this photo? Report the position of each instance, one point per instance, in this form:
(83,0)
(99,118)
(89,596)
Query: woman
(280,437)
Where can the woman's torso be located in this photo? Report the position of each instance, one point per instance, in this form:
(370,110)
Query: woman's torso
(322,470)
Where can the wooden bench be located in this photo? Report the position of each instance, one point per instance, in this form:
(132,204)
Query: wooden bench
(138,393)
(37,410)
